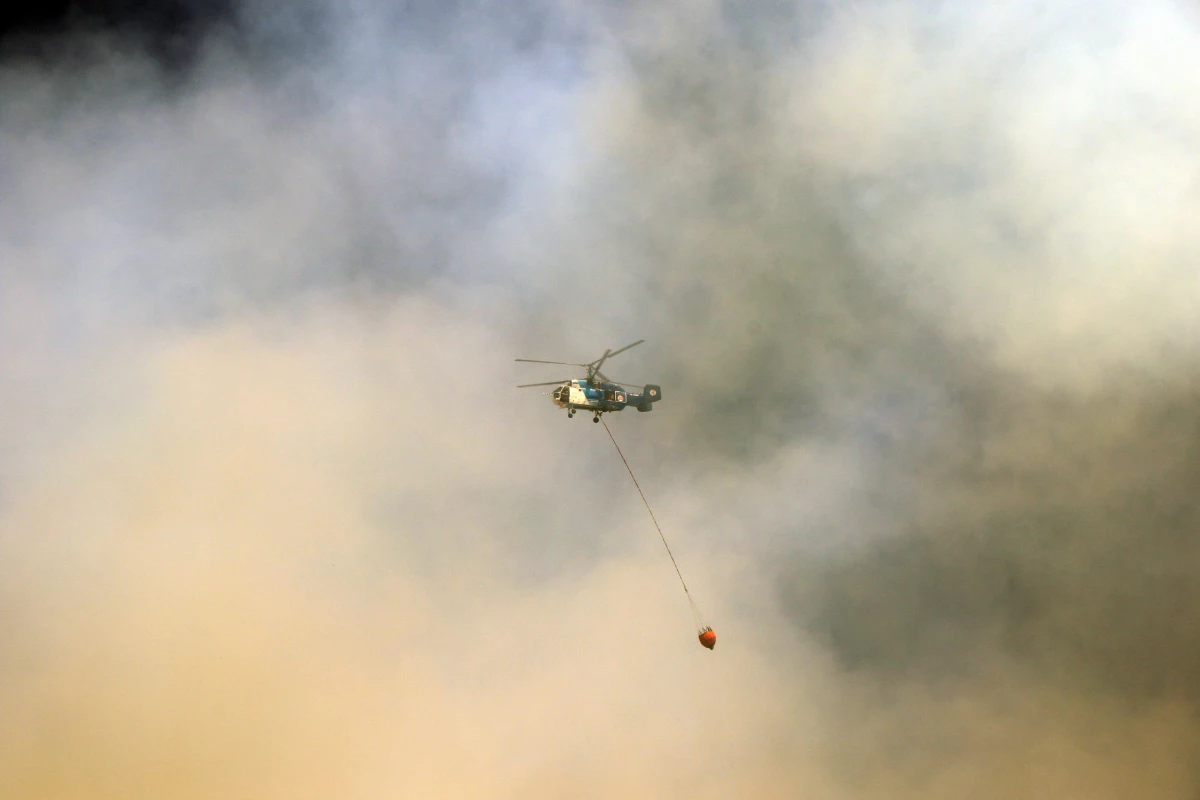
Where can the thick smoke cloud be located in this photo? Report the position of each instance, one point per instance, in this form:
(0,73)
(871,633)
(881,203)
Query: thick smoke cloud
(915,278)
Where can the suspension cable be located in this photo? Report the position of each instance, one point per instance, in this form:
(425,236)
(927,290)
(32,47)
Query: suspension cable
(652,518)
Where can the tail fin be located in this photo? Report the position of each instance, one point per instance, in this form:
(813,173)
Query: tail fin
(650,395)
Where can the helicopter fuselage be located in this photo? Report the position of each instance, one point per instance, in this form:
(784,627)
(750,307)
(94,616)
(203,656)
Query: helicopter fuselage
(603,397)
(596,392)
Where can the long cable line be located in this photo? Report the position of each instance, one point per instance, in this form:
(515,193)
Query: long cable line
(682,582)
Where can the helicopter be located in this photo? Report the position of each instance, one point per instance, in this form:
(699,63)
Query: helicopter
(597,392)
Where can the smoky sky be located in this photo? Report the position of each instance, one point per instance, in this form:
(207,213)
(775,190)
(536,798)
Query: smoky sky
(918,282)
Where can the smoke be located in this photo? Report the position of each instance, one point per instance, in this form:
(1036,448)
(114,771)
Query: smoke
(915,279)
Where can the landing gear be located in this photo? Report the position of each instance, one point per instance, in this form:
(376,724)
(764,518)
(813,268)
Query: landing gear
(570,413)
(596,418)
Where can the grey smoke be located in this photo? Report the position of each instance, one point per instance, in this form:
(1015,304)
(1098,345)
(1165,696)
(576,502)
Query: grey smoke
(916,278)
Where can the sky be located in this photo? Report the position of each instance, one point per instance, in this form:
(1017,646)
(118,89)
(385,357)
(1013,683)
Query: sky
(916,279)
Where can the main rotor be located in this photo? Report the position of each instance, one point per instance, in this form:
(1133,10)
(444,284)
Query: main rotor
(592,367)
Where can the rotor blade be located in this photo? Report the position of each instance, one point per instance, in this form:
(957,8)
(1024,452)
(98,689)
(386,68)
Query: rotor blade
(596,369)
(547,383)
(623,349)
(564,363)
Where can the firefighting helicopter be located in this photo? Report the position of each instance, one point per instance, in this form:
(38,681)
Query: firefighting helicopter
(597,392)
(600,394)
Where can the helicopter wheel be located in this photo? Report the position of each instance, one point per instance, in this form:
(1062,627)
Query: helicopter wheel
(596,418)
